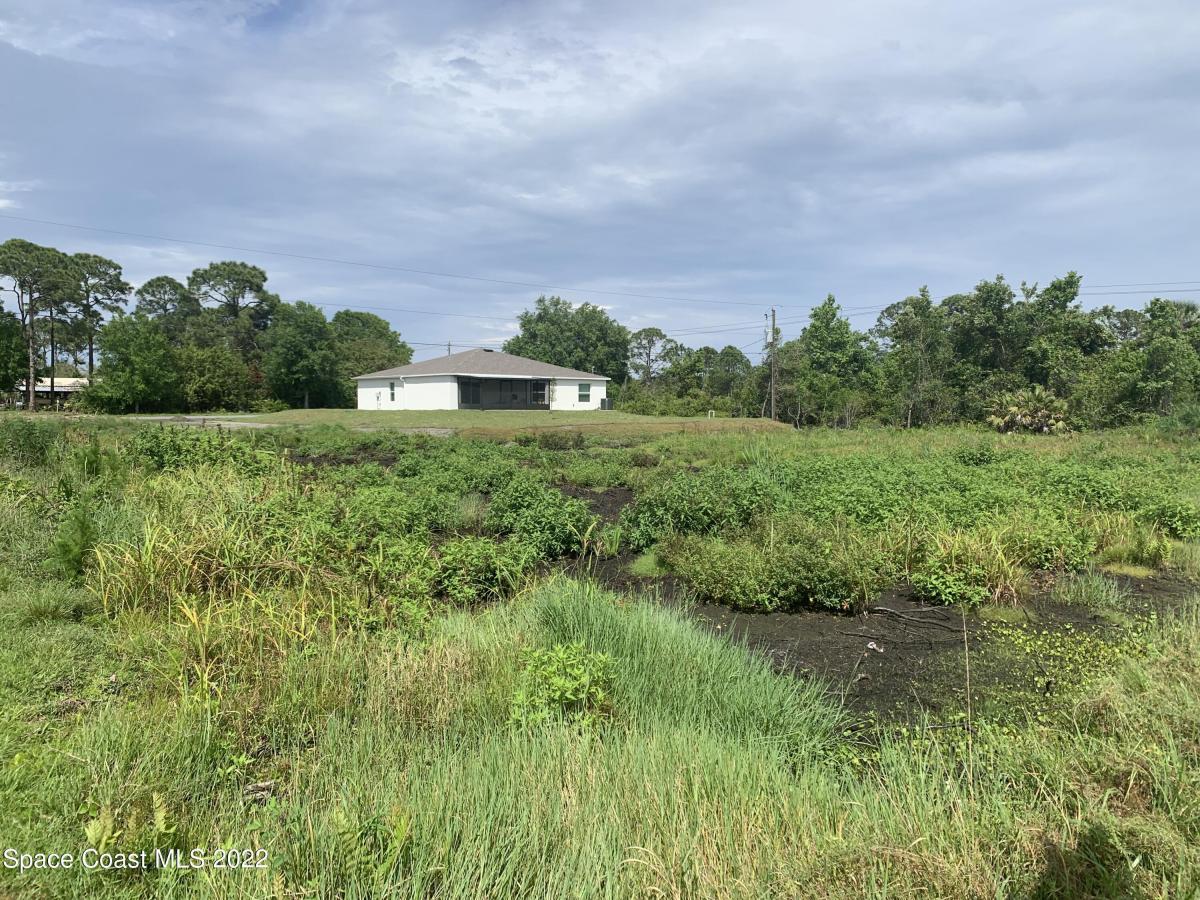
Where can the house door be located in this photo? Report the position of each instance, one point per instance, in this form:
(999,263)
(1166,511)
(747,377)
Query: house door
(379,399)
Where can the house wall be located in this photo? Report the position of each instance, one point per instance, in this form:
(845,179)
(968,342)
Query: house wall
(441,392)
(414,392)
(564,393)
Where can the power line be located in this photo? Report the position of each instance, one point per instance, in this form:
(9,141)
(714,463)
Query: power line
(380,266)
(1143,284)
(1195,290)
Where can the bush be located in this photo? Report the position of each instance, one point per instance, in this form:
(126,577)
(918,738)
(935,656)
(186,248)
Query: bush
(707,502)
(560,440)
(28,441)
(387,510)
(565,683)
(543,518)
(1034,410)
(403,570)
(1042,540)
(73,542)
(475,568)
(737,574)
(780,567)
(185,448)
(1177,518)
(968,567)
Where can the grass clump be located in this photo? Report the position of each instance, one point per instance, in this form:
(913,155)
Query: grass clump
(1093,589)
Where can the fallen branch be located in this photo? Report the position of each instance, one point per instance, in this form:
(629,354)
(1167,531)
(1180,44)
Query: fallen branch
(913,619)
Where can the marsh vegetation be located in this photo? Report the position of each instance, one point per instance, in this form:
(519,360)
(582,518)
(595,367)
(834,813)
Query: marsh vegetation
(605,665)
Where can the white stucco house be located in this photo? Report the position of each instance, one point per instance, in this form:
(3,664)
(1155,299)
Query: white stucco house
(482,379)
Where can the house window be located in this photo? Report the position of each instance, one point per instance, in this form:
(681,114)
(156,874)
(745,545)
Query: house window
(392,391)
(537,393)
(585,393)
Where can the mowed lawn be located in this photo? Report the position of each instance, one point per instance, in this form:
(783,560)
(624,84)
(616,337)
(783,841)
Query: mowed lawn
(474,421)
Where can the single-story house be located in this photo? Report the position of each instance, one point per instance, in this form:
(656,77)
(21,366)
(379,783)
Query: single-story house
(482,379)
(65,389)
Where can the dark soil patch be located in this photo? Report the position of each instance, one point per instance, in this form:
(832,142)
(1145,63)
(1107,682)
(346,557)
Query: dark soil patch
(607,504)
(902,657)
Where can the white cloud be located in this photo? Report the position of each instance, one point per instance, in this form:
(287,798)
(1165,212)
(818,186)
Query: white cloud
(763,151)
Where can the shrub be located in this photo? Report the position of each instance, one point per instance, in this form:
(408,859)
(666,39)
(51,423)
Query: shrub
(476,568)
(560,440)
(968,567)
(707,502)
(737,574)
(564,683)
(401,569)
(185,448)
(980,455)
(388,510)
(28,441)
(1035,410)
(782,567)
(543,518)
(74,541)
(1177,518)
(1042,540)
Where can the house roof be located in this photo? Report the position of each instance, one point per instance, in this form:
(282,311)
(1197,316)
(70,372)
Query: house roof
(61,383)
(484,363)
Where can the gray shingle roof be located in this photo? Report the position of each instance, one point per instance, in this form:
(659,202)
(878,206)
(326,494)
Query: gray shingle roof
(483,362)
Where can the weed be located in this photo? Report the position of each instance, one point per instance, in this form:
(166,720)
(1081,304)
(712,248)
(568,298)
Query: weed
(565,682)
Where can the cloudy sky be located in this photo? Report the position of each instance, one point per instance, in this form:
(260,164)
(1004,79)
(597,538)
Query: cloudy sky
(742,154)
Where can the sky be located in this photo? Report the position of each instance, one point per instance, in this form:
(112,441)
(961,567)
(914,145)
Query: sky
(713,158)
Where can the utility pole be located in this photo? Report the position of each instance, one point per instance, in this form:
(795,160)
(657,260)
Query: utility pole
(447,348)
(774,363)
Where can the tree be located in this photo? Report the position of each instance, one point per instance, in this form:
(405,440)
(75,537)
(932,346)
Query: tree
(1172,365)
(981,327)
(579,337)
(914,335)
(826,372)
(238,291)
(1056,333)
(139,369)
(101,290)
(364,343)
(170,303)
(300,362)
(649,352)
(215,377)
(61,302)
(34,276)
(730,369)
(11,352)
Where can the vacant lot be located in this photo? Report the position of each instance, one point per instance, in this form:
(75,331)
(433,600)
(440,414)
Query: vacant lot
(504,422)
(413,666)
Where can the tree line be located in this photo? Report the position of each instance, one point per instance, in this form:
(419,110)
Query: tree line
(1026,357)
(222,340)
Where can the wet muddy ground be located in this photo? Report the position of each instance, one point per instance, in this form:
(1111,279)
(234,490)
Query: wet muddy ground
(902,659)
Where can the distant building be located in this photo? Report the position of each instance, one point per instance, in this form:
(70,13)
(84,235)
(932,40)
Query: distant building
(482,379)
(65,388)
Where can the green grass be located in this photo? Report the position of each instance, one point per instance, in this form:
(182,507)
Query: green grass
(712,776)
(647,565)
(266,656)
(482,422)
